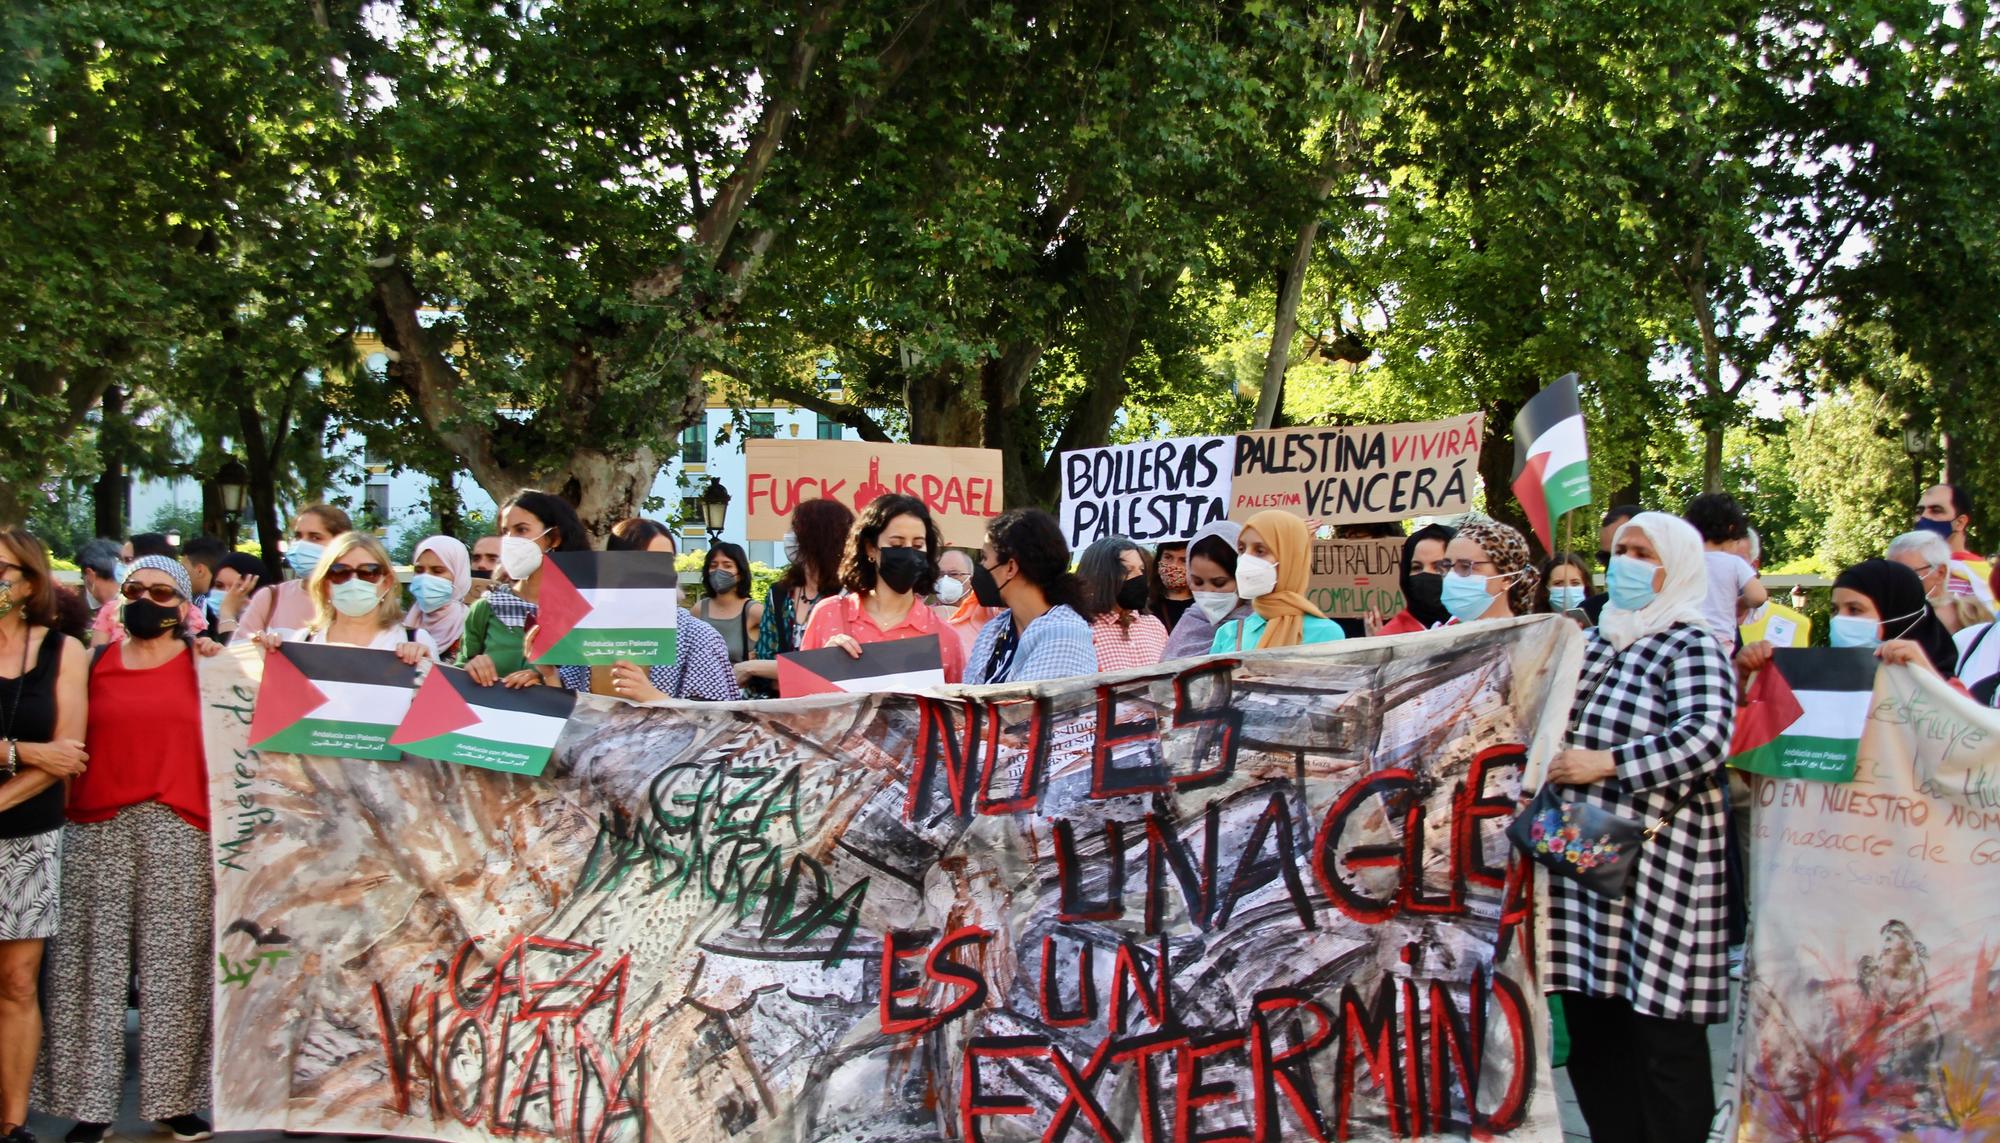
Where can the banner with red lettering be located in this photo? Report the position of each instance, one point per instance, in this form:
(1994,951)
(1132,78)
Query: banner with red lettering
(1256,897)
(1354,474)
(961,486)
(1871,1004)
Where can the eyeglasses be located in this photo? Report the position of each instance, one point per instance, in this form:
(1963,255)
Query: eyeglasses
(158,592)
(1439,567)
(961,577)
(1464,567)
(341,573)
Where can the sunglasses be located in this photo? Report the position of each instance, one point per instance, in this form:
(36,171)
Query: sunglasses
(158,592)
(369,573)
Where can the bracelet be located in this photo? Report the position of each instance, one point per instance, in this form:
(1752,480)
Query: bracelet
(13,757)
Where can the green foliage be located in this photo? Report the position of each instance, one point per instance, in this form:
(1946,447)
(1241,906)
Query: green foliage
(1855,474)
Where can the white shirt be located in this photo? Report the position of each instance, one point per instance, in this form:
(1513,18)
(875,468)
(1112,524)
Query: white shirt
(1728,575)
(387,639)
(1975,664)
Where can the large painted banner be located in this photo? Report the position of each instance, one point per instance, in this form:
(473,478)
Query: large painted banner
(1873,1005)
(1265,898)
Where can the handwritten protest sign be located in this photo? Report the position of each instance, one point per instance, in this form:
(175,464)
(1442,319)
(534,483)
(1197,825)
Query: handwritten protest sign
(961,486)
(1359,473)
(1267,898)
(1350,578)
(1152,492)
(1874,961)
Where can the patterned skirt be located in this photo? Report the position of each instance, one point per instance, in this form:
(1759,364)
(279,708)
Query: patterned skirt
(30,875)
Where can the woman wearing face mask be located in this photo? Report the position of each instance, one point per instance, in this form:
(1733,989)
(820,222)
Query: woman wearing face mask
(1116,590)
(1490,576)
(43,694)
(1878,604)
(1211,569)
(886,573)
(1273,563)
(136,891)
(1565,585)
(1422,580)
(285,607)
(1642,975)
(813,551)
(1024,568)
(1170,598)
(726,604)
(494,647)
(440,575)
(356,603)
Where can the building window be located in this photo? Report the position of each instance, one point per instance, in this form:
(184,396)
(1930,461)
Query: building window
(694,444)
(376,505)
(830,429)
(691,518)
(763,426)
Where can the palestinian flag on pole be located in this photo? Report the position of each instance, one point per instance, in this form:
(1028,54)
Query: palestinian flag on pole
(893,665)
(319,698)
(1551,457)
(1803,715)
(456,720)
(596,608)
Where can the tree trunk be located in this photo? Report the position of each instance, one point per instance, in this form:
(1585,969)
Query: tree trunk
(1291,282)
(944,409)
(1711,458)
(263,495)
(1496,467)
(446,506)
(604,488)
(112,500)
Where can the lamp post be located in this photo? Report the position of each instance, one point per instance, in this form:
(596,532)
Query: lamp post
(1916,445)
(714,509)
(232,485)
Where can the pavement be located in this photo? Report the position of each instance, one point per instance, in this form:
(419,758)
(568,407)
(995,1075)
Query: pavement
(131,1128)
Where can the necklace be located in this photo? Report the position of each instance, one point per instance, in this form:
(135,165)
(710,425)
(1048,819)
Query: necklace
(14,706)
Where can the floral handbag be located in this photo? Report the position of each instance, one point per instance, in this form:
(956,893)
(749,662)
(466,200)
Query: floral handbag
(1590,845)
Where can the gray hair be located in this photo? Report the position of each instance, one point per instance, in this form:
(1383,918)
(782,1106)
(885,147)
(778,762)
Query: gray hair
(1929,547)
(100,556)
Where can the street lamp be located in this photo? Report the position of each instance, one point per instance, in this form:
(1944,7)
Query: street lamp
(232,487)
(1916,445)
(714,508)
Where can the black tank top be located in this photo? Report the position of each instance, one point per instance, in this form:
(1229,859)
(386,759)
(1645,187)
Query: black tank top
(35,721)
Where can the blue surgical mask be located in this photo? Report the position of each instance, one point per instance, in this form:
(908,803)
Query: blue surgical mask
(431,592)
(1567,598)
(118,570)
(1854,631)
(303,556)
(1938,528)
(1629,580)
(1465,596)
(355,598)
(215,595)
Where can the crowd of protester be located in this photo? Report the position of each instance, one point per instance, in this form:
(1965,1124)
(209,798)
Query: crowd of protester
(103,808)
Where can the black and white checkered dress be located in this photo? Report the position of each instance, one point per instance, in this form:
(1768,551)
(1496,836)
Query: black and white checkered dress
(1664,708)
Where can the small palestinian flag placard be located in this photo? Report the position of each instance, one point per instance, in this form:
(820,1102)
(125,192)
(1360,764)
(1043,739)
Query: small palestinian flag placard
(320,698)
(1551,457)
(912,664)
(598,608)
(1803,714)
(494,728)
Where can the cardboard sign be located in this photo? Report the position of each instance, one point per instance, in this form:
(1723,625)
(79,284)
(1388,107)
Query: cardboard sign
(1284,879)
(1352,577)
(1152,492)
(961,486)
(1359,473)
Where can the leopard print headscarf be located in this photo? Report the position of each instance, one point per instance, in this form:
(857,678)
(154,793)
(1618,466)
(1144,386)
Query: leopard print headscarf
(1509,552)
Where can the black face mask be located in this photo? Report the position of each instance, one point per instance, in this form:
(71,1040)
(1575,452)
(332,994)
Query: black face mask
(984,589)
(900,568)
(1134,593)
(145,619)
(482,573)
(1424,596)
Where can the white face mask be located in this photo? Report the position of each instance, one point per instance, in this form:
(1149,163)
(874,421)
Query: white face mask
(521,557)
(1216,604)
(790,544)
(949,590)
(1255,577)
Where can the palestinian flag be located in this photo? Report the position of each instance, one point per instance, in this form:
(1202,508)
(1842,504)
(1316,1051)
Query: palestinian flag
(456,720)
(893,665)
(596,608)
(1551,457)
(1803,715)
(319,698)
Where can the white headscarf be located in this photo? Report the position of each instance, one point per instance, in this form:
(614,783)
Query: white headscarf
(1226,530)
(447,623)
(1680,598)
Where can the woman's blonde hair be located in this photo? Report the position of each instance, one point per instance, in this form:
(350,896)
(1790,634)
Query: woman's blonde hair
(388,612)
(1967,611)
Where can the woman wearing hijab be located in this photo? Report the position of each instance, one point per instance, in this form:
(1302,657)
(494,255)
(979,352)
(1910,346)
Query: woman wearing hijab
(1879,604)
(441,574)
(1491,576)
(1422,580)
(1211,572)
(1641,976)
(1273,563)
